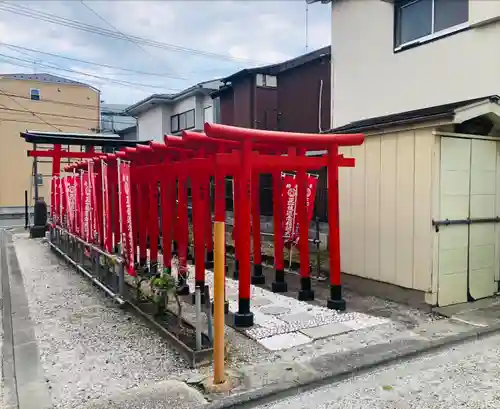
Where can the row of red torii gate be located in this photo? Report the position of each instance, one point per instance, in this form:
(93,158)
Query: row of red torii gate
(135,202)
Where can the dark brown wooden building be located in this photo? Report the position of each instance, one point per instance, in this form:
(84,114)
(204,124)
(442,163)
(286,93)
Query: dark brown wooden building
(290,96)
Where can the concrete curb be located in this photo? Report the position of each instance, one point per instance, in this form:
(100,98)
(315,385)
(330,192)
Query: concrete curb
(336,367)
(26,376)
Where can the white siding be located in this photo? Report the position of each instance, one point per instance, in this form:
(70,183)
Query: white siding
(156,122)
(386,209)
(370,80)
(184,105)
(166,114)
(150,124)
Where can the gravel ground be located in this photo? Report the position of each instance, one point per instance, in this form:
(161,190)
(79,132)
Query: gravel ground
(89,348)
(466,376)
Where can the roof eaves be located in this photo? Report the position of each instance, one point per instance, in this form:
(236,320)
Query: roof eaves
(218,92)
(158,98)
(351,128)
(274,69)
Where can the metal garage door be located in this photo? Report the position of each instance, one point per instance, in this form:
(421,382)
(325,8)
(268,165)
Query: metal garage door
(468,221)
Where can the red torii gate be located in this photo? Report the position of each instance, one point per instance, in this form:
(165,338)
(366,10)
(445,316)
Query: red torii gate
(58,139)
(240,152)
(298,143)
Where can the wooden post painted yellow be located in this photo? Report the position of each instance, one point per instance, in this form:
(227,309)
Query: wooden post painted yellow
(219,282)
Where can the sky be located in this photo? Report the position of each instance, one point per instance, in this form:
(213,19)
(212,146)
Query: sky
(146,47)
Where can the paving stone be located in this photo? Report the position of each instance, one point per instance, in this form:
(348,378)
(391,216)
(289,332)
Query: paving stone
(265,320)
(324,331)
(364,322)
(284,341)
(298,317)
(260,302)
(275,310)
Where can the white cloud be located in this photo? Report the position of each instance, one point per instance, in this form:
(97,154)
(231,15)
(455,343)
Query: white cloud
(247,32)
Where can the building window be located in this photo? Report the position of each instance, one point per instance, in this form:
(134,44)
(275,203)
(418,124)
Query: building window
(182,121)
(174,123)
(35,94)
(208,114)
(216,111)
(263,80)
(420,20)
(190,119)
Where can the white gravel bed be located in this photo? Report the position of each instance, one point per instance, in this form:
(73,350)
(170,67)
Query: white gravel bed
(89,348)
(466,376)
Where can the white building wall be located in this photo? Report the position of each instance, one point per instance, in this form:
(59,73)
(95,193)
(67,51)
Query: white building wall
(370,80)
(386,209)
(166,114)
(150,124)
(184,105)
(156,122)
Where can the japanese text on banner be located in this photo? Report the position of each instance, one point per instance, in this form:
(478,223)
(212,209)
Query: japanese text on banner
(289,195)
(127,239)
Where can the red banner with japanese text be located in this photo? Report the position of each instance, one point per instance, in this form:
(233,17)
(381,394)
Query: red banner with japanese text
(127,240)
(93,202)
(62,201)
(289,203)
(86,211)
(312,185)
(77,200)
(68,199)
(106,215)
(81,207)
(54,204)
(289,195)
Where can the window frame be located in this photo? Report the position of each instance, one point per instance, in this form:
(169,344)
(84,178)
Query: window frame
(429,37)
(178,117)
(261,81)
(204,113)
(31,94)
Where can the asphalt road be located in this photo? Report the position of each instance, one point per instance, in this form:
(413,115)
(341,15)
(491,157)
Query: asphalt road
(465,376)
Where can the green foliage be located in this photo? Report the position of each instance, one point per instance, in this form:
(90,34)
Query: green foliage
(164,282)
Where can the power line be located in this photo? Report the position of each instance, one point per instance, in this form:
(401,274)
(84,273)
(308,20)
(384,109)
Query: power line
(27,110)
(61,115)
(111,80)
(41,123)
(54,19)
(113,67)
(95,13)
(53,101)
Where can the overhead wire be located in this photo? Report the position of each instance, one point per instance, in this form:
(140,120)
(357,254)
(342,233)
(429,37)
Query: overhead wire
(58,20)
(81,118)
(111,80)
(113,67)
(44,122)
(29,111)
(53,101)
(130,39)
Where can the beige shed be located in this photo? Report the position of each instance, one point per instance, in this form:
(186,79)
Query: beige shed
(421,208)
